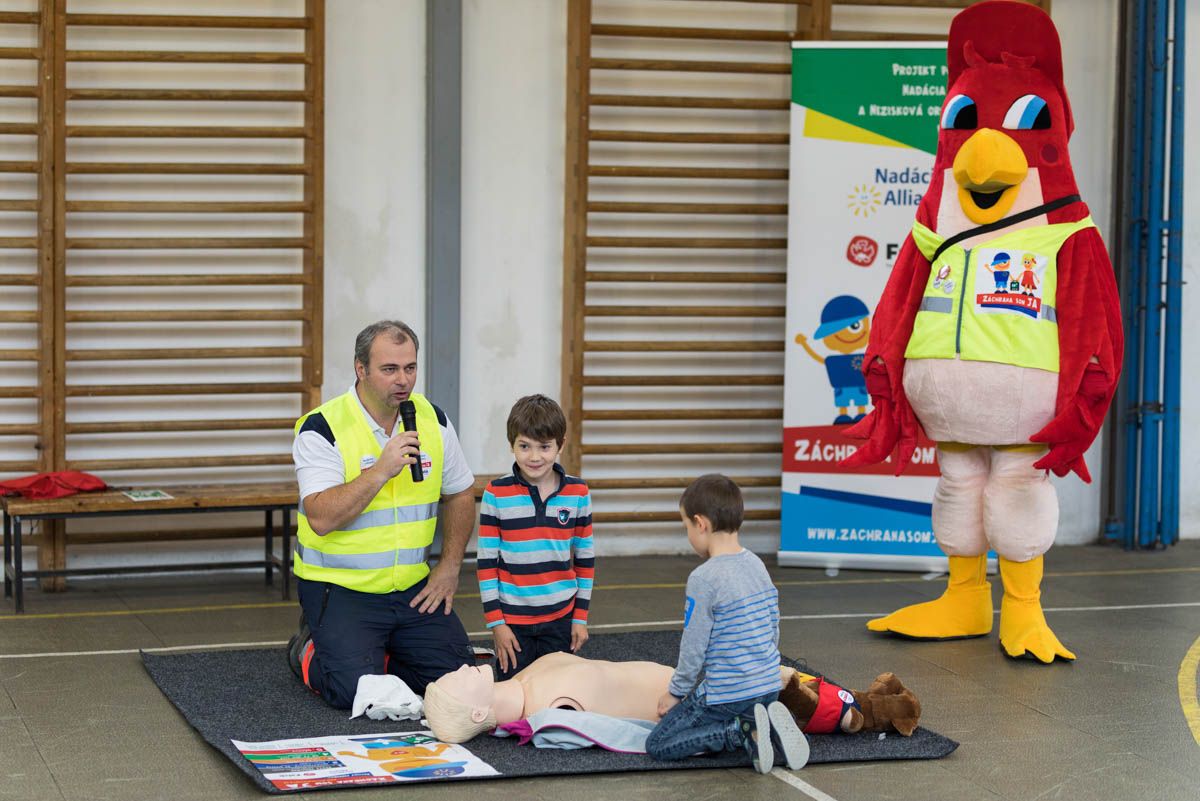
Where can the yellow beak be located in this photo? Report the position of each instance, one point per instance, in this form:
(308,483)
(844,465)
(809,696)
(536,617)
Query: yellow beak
(989,169)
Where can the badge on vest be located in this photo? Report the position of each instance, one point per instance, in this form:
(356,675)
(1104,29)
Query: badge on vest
(426,464)
(366,462)
(564,515)
(1009,281)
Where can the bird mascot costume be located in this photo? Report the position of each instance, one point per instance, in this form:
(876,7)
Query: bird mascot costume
(999,332)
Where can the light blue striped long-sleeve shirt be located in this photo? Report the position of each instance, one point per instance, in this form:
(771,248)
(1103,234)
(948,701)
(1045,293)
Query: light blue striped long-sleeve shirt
(731,631)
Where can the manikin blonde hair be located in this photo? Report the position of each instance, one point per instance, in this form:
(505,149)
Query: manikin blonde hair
(451,719)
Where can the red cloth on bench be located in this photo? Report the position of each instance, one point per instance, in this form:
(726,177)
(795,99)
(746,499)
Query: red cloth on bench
(52,485)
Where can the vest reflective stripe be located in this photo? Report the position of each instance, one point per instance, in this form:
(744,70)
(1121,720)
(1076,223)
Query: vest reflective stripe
(385,517)
(362,561)
(385,547)
(994,302)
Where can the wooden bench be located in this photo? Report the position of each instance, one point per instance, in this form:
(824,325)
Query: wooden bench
(267,498)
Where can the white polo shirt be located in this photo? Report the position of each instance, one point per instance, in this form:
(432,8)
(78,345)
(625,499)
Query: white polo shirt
(319,464)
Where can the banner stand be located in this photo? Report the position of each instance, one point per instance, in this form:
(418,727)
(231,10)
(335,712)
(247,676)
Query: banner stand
(864,124)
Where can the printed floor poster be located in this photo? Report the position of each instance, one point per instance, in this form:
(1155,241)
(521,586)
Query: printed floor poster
(361,759)
(864,131)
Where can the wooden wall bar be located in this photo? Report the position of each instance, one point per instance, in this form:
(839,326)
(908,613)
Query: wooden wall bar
(172,260)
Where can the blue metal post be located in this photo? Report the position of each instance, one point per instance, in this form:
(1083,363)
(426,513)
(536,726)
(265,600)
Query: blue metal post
(1148,492)
(1174,311)
(1135,236)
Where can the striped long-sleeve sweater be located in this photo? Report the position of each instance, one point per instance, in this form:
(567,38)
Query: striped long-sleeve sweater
(730,646)
(535,557)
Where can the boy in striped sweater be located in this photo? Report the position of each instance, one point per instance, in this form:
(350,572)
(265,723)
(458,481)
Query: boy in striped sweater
(535,558)
(724,694)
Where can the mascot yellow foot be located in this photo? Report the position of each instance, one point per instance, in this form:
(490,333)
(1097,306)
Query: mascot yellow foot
(964,610)
(1023,629)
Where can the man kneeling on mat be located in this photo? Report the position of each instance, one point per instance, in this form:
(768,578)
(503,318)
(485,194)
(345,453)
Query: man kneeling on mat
(374,465)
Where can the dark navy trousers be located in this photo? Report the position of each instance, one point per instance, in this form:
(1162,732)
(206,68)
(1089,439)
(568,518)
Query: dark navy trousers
(538,639)
(361,633)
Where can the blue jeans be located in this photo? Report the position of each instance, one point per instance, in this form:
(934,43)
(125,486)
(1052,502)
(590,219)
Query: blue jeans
(692,727)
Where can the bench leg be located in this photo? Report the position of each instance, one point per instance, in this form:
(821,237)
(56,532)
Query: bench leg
(269,546)
(8,590)
(18,567)
(286,562)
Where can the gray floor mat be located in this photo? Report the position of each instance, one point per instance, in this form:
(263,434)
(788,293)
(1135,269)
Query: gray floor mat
(251,695)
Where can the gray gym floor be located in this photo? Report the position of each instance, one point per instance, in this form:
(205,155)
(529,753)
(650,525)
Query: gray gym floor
(80,719)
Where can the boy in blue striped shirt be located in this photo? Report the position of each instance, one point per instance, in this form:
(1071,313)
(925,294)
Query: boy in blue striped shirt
(723,696)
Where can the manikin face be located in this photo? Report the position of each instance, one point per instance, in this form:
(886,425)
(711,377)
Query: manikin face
(470,684)
(535,457)
(389,378)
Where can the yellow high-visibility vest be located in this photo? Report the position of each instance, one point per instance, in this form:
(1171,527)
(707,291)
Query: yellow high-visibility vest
(386,547)
(994,302)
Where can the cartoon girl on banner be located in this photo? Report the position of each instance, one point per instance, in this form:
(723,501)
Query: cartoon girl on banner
(845,326)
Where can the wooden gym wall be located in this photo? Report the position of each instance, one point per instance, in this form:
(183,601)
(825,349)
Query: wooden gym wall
(675,241)
(161,277)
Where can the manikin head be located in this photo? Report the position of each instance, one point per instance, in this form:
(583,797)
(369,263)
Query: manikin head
(461,704)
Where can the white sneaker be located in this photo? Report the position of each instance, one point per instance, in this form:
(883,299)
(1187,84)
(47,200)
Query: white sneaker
(788,736)
(758,742)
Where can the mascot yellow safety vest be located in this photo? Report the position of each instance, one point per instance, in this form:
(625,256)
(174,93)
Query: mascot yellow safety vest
(387,546)
(994,302)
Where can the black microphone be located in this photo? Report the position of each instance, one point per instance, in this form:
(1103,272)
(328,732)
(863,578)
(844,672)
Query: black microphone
(408,418)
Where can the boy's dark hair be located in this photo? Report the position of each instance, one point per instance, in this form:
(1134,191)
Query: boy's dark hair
(537,417)
(717,498)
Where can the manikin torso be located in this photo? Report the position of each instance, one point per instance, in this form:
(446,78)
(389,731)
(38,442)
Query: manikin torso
(619,689)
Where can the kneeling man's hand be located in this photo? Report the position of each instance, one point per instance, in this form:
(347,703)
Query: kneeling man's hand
(440,587)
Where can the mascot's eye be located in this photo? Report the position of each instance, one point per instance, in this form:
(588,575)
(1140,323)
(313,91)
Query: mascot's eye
(960,114)
(856,326)
(1027,113)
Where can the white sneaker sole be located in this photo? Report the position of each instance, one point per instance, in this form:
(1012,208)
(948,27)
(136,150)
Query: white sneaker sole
(765,759)
(791,739)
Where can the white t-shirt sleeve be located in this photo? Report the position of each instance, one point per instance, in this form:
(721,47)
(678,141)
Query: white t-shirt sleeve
(318,463)
(456,473)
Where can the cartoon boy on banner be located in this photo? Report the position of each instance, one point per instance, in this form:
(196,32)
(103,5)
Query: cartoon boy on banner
(845,326)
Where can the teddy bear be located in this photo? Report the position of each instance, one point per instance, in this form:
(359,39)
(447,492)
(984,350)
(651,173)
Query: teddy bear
(822,707)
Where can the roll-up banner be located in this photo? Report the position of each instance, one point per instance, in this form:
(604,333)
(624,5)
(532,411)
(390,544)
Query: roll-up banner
(863,134)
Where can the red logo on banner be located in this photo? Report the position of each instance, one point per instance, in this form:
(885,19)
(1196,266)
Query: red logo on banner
(862,251)
(819,449)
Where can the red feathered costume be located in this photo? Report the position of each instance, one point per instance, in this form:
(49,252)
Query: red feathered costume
(968,355)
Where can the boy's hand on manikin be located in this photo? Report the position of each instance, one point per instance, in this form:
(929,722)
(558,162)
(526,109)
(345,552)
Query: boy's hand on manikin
(666,703)
(579,635)
(507,646)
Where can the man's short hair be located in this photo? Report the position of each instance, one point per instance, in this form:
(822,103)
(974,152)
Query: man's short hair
(400,333)
(537,417)
(716,497)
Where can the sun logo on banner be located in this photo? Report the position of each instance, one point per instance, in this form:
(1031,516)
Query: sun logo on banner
(864,200)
